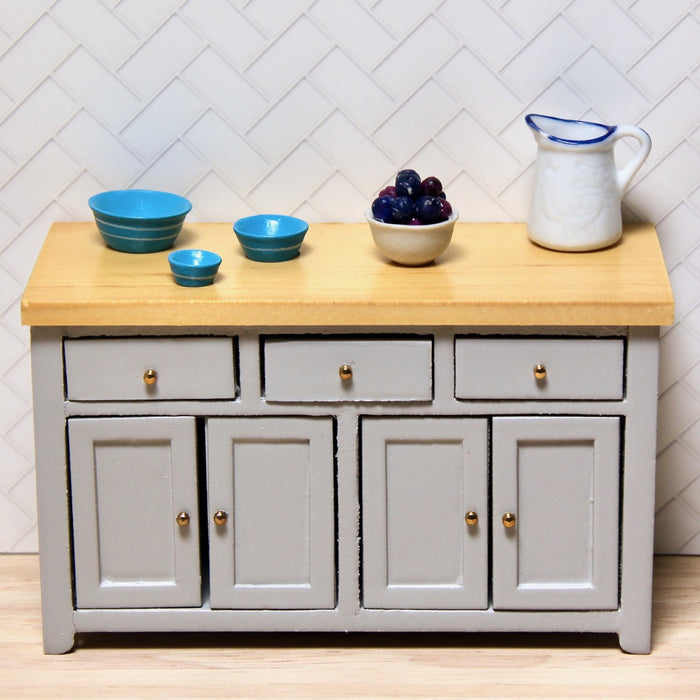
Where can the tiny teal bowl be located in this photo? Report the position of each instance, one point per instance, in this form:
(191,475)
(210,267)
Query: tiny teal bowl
(139,221)
(270,237)
(194,268)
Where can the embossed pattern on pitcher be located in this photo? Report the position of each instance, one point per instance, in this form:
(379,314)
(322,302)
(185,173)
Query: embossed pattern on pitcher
(574,199)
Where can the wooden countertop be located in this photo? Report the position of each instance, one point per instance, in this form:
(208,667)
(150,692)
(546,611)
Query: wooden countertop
(491,275)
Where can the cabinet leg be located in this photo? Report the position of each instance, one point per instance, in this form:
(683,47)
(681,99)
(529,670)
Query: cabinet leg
(52,491)
(58,642)
(638,489)
(635,642)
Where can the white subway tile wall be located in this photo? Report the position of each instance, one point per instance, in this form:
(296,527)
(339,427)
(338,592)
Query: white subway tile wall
(309,107)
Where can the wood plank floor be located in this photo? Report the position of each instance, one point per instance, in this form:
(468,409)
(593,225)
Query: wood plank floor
(352,666)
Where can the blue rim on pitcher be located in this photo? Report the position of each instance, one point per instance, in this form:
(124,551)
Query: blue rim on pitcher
(530,120)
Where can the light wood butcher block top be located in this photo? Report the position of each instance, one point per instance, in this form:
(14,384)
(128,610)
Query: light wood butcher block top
(491,275)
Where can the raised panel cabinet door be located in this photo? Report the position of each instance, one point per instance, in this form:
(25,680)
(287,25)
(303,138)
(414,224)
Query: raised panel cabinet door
(424,513)
(556,513)
(271,513)
(135,513)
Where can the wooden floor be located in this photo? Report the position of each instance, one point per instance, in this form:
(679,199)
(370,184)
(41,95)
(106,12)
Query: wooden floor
(353,666)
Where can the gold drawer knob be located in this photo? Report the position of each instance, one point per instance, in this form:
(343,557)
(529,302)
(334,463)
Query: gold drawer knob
(471,518)
(220,517)
(150,376)
(508,520)
(183,519)
(345,372)
(540,371)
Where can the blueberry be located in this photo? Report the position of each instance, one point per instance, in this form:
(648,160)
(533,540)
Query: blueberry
(401,209)
(446,208)
(431,186)
(381,208)
(429,209)
(412,201)
(408,183)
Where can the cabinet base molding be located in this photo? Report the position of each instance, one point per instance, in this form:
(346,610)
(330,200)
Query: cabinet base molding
(205,620)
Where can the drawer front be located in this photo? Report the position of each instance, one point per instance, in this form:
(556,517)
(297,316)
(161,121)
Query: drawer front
(119,369)
(539,368)
(348,370)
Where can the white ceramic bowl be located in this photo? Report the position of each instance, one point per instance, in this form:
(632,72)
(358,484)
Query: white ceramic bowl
(412,245)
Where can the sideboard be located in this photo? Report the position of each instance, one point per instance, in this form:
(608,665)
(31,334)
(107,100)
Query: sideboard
(339,443)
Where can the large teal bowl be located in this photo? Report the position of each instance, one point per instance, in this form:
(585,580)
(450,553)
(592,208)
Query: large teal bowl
(270,237)
(139,221)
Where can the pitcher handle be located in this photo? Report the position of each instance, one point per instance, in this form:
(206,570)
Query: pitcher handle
(625,175)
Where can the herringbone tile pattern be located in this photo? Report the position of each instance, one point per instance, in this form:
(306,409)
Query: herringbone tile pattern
(309,107)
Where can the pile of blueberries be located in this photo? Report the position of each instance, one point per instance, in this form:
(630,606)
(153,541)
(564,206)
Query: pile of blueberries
(412,201)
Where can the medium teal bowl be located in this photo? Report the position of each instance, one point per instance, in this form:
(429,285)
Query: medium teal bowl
(270,237)
(194,268)
(139,221)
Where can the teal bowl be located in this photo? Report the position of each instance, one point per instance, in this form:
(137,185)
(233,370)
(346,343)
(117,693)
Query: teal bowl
(139,221)
(270,237)
(194,268)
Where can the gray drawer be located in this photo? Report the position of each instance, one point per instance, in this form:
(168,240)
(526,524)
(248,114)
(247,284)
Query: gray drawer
(567,368)
(121,369)
(348,369)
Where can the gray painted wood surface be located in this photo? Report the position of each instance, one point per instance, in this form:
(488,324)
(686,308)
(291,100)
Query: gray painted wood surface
(130,478)
(109,369)
(382,370)
(428,402)
(560,477)
(503,368)
(420,477)
(53,491)
(273,477)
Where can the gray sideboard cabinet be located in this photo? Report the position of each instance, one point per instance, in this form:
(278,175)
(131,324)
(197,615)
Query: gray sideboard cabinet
(464,447)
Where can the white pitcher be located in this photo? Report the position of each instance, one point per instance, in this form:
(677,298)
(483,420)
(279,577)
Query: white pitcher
(577,190)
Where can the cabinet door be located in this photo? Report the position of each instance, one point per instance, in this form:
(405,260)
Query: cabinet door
(272,480)
(559,478)
(420,478)
(130,478)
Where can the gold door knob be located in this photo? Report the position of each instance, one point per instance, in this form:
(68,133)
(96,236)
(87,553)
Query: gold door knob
(345,372)
(220,517)
(150,376)
(182,519)
(540,371)
(471,518)
(508,520)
